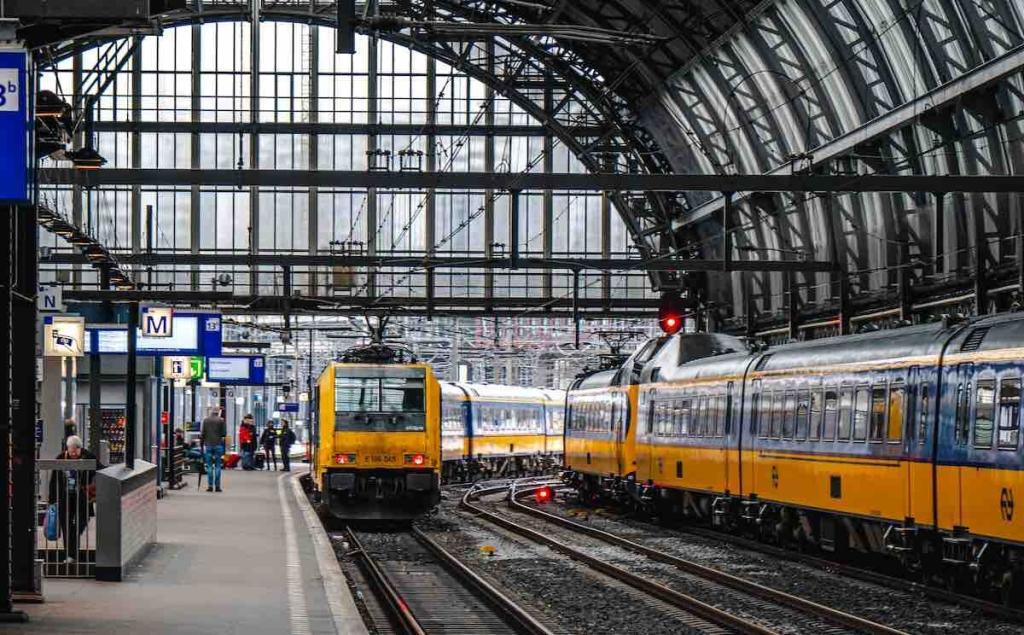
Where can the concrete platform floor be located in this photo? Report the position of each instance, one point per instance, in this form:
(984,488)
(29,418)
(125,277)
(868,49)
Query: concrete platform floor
(243,561)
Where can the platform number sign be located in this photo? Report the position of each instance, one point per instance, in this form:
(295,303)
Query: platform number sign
(10,90)
(14,126)
(1006,504)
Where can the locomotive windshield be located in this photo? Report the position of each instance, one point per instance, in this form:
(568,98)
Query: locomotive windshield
(380,399)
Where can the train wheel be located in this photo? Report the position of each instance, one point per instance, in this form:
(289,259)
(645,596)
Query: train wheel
(1009,589)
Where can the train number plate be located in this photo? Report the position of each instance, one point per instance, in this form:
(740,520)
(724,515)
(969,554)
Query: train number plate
(383,458)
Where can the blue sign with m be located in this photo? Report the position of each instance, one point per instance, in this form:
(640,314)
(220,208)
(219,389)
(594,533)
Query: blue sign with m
(14,126)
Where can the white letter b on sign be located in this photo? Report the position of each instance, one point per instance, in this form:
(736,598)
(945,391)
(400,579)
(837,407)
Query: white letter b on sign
(10,90)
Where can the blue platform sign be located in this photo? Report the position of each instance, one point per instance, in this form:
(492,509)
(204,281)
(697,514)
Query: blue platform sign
(240,370)
(288,406)
(14,126)
(193,334)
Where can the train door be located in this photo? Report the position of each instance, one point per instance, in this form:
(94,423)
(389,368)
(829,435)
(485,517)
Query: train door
(746,439)
(619,419)
(724,414)
(950,480)
(645,448)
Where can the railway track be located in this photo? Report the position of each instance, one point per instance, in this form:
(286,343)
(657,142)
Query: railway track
(423,589)
(754,598)
(986,607)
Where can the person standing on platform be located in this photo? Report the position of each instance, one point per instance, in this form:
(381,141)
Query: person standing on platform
(269,442)
(73,491)
(247,442)
(70,427)
(213,437)
(287,441)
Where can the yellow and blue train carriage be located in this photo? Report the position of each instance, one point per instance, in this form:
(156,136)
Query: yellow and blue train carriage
(904,442)
(496,430)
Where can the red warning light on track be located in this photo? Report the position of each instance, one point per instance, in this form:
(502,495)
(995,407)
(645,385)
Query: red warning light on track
(544,495)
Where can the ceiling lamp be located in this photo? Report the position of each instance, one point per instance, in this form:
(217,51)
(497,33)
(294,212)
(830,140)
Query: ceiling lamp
(86,159)
(48,105)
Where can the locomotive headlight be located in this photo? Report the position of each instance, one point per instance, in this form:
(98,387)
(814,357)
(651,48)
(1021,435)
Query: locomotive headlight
(415,459)
(345,458)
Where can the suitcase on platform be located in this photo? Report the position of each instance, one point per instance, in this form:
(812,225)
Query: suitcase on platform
(231,461)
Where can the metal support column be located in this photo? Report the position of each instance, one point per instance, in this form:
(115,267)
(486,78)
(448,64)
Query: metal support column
(131,411)
(980,261)
(7,612)
(548,204)
(489,167)
(254,140)
(903,277)
(24,411)
(372,145)
(726,231)
(96,373)
(794,306)
(748,303)
(576,304)
(939,241)
(844,303)
(513,229)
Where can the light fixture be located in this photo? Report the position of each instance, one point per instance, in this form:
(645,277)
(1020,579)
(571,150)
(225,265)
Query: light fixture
(86,159)
(239,401)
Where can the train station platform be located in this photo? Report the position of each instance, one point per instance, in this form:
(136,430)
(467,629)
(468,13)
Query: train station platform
(249,560)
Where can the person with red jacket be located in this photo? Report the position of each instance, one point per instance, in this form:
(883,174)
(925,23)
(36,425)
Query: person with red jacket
(247,442)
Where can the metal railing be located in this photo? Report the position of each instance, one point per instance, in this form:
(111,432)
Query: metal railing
(69,486)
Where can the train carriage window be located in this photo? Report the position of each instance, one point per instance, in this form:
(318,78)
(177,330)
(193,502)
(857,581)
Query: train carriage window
(963,403)
(845,413)
(803,414)
(755,408)
(700,415)
(789,422)
(814,432)
(984,413)
(686,416)
(777,412)
(831,415)
(722,410)
(763,414)
(877,420)
(1009,413)
(897,411)
(861,412)
(922,415)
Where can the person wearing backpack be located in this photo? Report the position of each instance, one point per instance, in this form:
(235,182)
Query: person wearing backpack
(247,442)
(287,441)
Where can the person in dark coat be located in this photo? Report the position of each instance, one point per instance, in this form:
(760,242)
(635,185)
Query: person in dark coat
(287,441)
(73,491)
(269,442)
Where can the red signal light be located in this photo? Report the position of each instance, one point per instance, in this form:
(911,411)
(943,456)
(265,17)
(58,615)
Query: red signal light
(671,313)
(544,495)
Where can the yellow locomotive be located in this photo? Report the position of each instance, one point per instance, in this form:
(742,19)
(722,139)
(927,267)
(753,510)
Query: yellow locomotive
(389,431)
(379,440)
